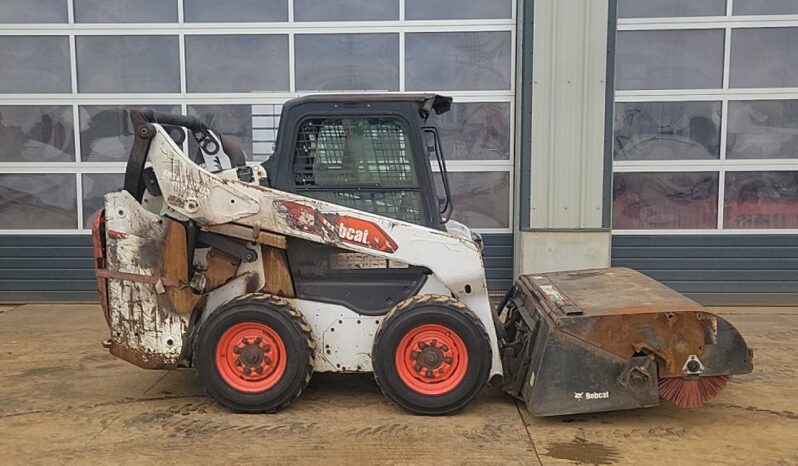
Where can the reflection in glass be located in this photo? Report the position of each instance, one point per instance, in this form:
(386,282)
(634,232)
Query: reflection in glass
(761,200)
(764,57)
(237,11)
(347,62)
(667,130)
(37,11)
(480,199)
(125,11)
(36,133)
(687,59)
(459,61)
(665,200)
(34,64)
(671,8)
(234,121)
(106,134)
(765,7)
(38,201)
(458,9)
(239,63)
(475,131)
(346,10)
(95,186)
(762,129)
(127,64)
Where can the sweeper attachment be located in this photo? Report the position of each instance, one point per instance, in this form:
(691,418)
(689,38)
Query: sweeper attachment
(338,254)
(609,339)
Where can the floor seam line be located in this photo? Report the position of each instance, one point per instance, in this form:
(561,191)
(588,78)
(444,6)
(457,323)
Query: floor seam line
(528,433)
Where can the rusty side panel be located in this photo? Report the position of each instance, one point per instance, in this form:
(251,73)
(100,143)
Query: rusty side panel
(278,276)
(98,243)
(146,330)
(625,313)
(222,267)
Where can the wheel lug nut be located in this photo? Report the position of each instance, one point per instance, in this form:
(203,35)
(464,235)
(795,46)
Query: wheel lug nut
(236,350)
(245,341)
(444,348)
(258,340)
(247,370)
(429,374)
(238,362)
(447,360)
(422,345)
(259,369)
(418,368)
(433,342)
(414,355)
(268,361)
(440,371)
(266,348)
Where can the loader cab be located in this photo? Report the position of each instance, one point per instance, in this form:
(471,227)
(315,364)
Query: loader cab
(370,153)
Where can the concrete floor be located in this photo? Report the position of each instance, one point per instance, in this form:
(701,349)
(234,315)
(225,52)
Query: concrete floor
(65,400)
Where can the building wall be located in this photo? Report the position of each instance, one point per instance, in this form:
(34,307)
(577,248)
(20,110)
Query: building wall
(70,70)
(705,192)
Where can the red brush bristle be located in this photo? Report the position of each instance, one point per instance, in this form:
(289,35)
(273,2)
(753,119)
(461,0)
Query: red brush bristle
(691,393)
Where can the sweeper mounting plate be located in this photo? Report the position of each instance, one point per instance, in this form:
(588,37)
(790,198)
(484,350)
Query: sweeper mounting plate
(605,339)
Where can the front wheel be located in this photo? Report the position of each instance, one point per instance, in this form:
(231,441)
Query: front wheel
(431,355)
(255,354)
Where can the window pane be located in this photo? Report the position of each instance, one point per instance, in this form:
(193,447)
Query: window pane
(36,133)
(213,11)
(346,10)
(765,7)
(665,200)
(761,200)
(475,131)
(353,152)
(660,8)
(33,11)
(106,134)
(762,129)
(458,61)
(240,63)
(458,9)
(34,64)
(234,121)
(667,130)
(128,64)
(95,186)
(480,199)
(764,58)
(29,201)
(347,62)
(265,123)
(689,59)
(125,11)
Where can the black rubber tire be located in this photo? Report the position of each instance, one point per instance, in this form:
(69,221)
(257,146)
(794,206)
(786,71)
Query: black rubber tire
(431,309)
(292,328)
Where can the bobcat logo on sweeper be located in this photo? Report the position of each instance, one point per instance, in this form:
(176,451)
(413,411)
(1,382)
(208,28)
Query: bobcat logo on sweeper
(336,227)
(579,396)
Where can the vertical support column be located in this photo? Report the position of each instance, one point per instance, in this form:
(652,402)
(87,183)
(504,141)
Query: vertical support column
(564,213)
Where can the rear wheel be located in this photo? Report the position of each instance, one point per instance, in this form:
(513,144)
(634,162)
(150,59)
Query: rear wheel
(255,354)
(431,355)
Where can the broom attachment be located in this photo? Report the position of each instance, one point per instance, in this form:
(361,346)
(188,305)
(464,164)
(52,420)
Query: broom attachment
(692,392)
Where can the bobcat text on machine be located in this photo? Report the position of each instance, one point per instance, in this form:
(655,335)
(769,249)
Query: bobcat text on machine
(339,255)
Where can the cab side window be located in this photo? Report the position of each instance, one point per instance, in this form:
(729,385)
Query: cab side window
(362,163)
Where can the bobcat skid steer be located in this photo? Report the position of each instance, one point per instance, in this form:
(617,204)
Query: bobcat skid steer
(339,255)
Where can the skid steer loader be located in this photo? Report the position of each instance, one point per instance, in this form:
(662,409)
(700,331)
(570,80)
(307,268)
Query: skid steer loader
(339,255)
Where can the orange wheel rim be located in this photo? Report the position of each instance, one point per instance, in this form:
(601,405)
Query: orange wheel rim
(250,357)
(431,359)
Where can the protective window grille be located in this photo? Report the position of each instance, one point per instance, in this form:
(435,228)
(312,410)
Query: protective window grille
(353,152)
(362,163)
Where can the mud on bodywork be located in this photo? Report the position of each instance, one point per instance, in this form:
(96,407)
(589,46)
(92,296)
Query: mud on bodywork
(145,328)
